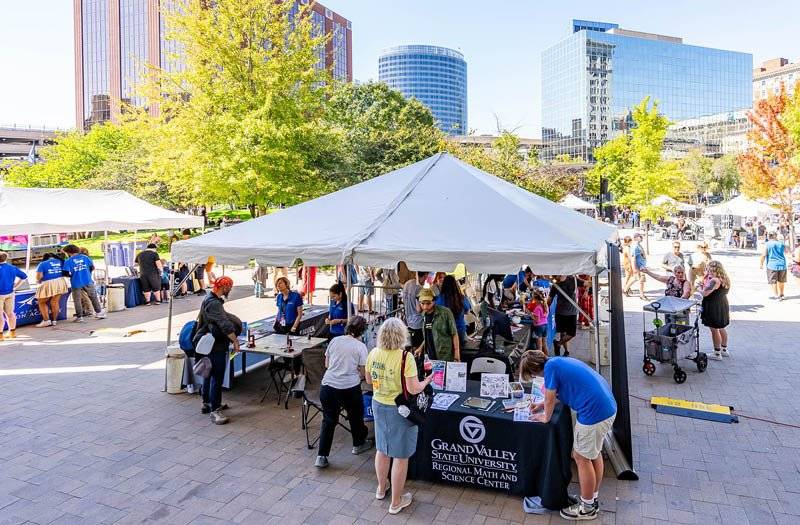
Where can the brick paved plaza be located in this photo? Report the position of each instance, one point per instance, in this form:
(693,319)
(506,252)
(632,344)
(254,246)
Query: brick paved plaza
(87,436)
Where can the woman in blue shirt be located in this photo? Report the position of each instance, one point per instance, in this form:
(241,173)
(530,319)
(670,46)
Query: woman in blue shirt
(452,298)
(290,308)
(337,311)
(51,287)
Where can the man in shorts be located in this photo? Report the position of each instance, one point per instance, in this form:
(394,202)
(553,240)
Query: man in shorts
(588,394)
(10,278)
(150,269)
(639,263)
(566,312)
(774,253)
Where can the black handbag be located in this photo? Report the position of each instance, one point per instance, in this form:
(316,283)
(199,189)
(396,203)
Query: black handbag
(413,407)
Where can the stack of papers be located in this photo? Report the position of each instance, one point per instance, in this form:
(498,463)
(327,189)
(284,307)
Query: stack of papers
(442,400)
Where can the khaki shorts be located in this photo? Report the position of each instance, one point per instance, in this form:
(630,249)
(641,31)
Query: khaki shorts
(6,305)
(589,438)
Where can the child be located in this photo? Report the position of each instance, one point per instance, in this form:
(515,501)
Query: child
(539,312)
(164,278)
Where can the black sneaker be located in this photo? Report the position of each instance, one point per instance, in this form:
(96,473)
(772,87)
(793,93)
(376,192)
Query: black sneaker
(206,409)
(577,512)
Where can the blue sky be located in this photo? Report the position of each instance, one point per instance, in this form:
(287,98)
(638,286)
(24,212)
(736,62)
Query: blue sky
(502,41)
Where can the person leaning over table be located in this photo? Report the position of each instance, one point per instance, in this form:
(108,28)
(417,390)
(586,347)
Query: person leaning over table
(290,308)
(395,436)
(588,394)
(345,359)
(440,335)
(51,287)
(215,320)
(337,311)
(79,267)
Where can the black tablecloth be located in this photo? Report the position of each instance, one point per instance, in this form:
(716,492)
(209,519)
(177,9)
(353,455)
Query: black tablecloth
(468,447)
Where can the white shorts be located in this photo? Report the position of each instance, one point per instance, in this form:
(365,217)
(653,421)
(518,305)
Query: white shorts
(589,438)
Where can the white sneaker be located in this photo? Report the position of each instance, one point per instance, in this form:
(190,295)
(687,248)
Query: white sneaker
(53,323)
(716,356)
(725,353)
(100,315)
(79,320)
(44,323)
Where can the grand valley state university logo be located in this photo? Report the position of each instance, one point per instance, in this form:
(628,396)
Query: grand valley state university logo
(472,429)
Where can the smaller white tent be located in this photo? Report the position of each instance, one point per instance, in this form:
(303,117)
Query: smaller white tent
(576,203)
(741,206)
(666,199)
(33,211)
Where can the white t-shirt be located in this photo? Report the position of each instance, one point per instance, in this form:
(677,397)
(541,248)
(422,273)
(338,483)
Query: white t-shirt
(345,354)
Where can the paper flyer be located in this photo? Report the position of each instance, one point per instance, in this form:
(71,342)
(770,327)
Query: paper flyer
(456,377)
(494,385)
(437,369)
(442,401)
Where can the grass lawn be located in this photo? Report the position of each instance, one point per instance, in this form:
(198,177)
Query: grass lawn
(243,214)
(94,244)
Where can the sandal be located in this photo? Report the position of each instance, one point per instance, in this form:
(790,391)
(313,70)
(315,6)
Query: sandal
(382,495)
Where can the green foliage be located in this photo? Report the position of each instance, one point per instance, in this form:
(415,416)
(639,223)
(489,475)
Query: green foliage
(504,160)
(696,167)
(75,160)
(634,168)
(381,129)
(724,177)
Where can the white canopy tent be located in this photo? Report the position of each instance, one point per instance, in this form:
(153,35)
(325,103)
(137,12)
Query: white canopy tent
(35,211)
(666,199)
(431,214)
(574,202)
(741,206)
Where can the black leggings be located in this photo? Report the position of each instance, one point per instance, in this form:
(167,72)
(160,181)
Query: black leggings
(333,400)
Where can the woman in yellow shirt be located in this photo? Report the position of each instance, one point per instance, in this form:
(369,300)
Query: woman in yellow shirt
(395,436)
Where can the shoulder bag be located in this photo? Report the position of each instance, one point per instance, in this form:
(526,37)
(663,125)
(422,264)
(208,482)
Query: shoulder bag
(413,407)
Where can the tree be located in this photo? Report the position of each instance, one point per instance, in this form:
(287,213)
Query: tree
(381,129)
(504,160)
(696,167)
(724,177)
(769,168)
(74,159)
(245,120)
(633,166)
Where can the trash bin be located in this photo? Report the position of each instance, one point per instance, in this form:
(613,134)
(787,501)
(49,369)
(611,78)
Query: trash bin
(116,297)
(175,363)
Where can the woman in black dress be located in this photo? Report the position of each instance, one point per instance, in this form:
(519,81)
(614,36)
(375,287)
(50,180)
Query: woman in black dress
(716,312)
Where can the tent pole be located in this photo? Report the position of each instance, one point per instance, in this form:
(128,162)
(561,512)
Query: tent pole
(348,288)
(596,323)
(105,264)
(170,294)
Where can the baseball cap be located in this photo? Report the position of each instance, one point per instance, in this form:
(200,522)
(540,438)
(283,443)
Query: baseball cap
(426,295)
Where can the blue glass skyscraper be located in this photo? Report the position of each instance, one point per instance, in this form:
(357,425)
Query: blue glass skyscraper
(592,79)
(436,76)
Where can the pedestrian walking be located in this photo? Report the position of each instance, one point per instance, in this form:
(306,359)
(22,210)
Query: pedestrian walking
(774,254)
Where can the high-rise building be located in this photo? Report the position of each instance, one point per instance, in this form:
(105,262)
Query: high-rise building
(115,39)
(768,77)
(436,76)
(713,135)
(592,79)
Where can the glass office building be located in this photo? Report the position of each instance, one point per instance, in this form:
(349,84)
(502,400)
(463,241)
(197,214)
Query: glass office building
(436,76)
(592,79)
(115,41)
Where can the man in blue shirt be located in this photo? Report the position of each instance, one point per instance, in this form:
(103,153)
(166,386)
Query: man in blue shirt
(587,393)
(79,268)
(774,253)
(10,278)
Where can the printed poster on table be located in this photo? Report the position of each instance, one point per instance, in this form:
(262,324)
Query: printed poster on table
(456,377)
(437,369)
(494,385)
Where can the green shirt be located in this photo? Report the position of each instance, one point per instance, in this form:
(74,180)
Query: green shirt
(443,328)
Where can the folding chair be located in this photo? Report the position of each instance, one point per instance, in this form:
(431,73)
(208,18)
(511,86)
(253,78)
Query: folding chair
(308,386)
(488,365)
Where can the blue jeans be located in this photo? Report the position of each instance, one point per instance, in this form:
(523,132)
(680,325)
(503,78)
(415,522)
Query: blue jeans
(212,385)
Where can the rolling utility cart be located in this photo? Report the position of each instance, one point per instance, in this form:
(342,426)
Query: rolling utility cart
(676,335)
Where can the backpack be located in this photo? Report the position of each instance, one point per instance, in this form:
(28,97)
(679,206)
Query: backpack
(186,337)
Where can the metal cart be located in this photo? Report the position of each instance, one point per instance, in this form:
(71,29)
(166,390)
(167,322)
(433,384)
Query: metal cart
(675,335)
